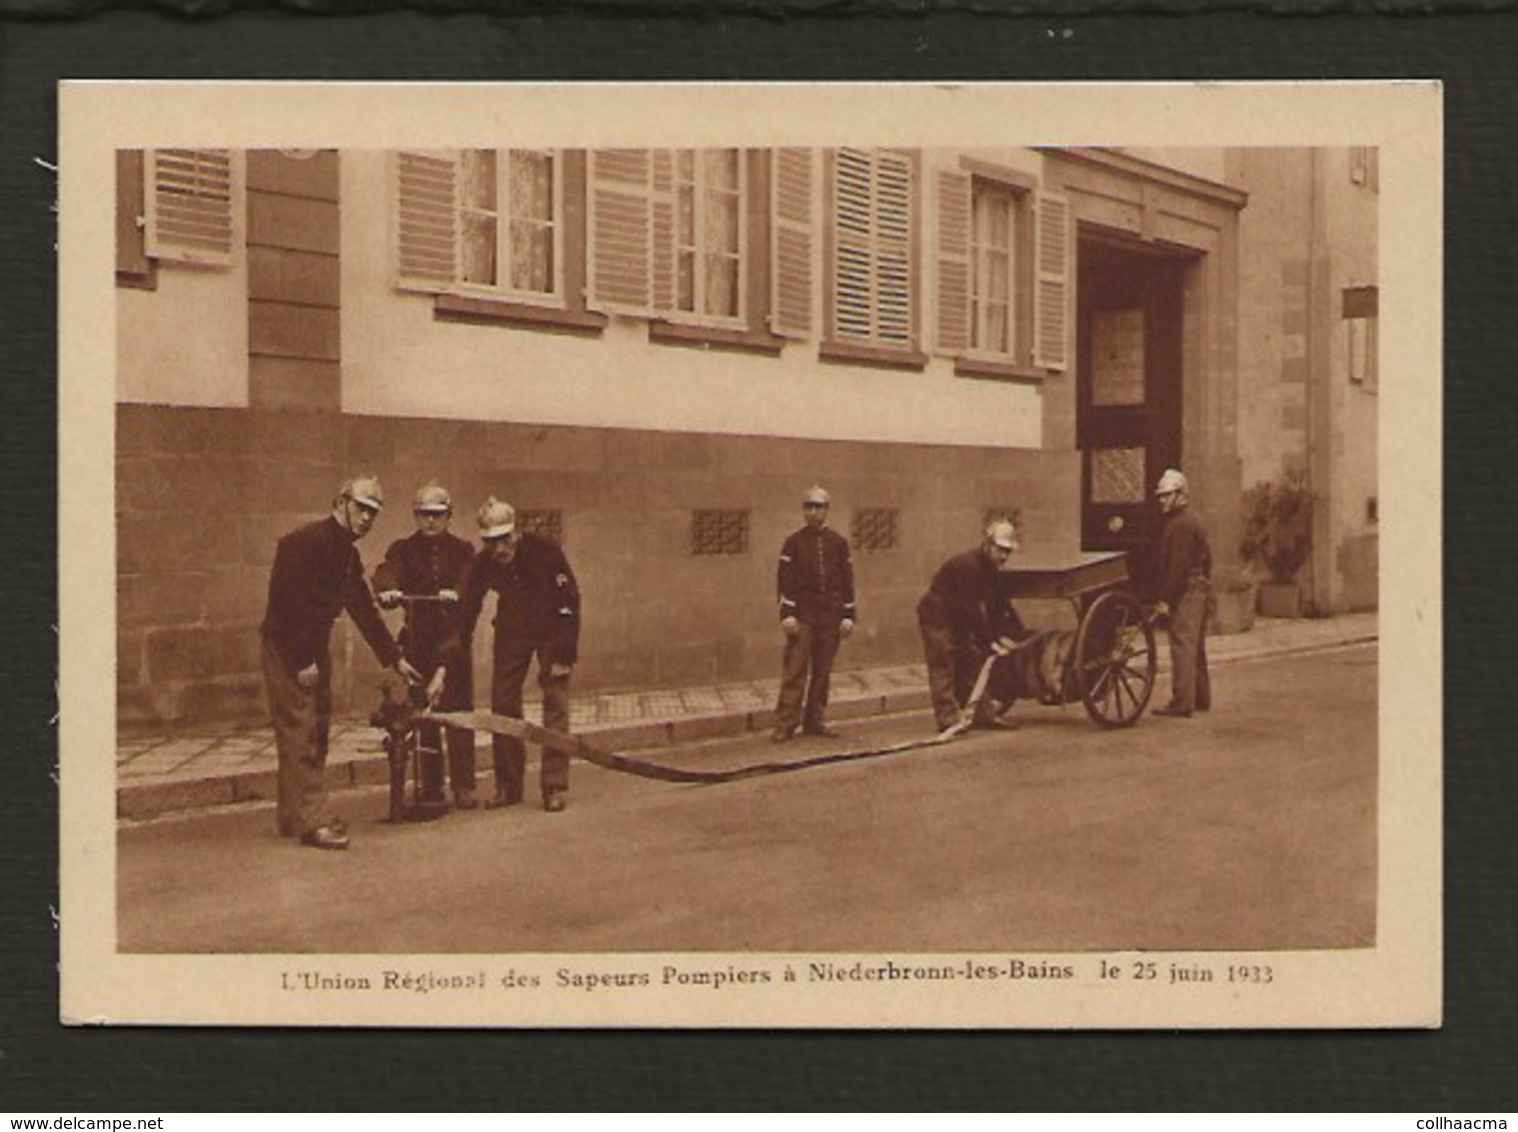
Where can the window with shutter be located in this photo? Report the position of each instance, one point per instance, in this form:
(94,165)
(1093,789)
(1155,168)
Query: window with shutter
(874,230)
(984,268)
(993,238)
(791,239)
(668,234)
(1052,287)
(191,197)
(482,222)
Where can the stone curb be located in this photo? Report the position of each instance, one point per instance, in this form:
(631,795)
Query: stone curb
(155,797)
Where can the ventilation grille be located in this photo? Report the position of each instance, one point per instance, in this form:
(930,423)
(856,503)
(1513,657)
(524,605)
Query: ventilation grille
(877,528)
(719,532)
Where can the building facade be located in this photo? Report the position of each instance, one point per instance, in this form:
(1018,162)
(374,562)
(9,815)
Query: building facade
(651,353)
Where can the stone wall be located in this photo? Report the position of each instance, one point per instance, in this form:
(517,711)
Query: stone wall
(204,494)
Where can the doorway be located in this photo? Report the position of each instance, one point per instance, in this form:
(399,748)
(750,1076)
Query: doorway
(1129,334)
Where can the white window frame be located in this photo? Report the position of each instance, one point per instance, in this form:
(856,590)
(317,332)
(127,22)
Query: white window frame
(504,226)
(1016,202)
(700,187)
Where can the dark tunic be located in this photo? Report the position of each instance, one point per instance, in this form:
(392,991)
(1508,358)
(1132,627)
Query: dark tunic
(317,574)
(1184,555)
(538,599)
(816,578)
(965,596)
(419,566)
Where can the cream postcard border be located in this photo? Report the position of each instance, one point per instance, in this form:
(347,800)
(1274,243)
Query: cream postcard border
(1396,983)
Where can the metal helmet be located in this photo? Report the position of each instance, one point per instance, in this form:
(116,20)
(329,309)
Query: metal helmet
(497,519)
(432,497)
(1170,481)
(816,494)
(1001,532)
(365,490)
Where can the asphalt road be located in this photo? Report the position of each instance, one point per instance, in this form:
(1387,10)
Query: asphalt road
(1251,827)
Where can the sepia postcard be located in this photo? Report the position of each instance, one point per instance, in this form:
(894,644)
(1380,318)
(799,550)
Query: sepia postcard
(750,555)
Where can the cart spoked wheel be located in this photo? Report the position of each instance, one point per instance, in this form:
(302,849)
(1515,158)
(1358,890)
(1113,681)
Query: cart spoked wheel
(1115,659)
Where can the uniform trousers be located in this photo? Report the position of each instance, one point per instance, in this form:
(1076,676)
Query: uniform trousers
(811,649)
(953,665)
(1190,686)
(458,695)
(513,657)
(302,722)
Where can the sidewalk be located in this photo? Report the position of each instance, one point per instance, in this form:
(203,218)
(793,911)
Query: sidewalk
(156,774)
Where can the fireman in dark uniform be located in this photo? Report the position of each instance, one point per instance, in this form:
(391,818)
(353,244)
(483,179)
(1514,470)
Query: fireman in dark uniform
(816,589)
(963,619)
(317,574)
(537,616)
(1184,589)
(432,565)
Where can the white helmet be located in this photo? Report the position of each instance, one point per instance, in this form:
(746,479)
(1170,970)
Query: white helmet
(1170,481)
(497,519)
(365,490)
(1001,532)
(432,497)
(816,495)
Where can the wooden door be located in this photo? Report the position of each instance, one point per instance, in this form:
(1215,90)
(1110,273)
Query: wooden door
(1128,405)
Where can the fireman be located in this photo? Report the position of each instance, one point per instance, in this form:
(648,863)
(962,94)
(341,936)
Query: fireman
(430,566)
(537,617)
(317,574)
(1184,589)
(962,619)
(816,593)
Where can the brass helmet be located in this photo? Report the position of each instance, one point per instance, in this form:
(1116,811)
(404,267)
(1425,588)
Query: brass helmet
(1171,481)
(1001,532)
(365,490)
(432,497)
(497,519)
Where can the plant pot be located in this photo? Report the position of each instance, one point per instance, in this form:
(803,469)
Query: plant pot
(1234,612)
(1280,599)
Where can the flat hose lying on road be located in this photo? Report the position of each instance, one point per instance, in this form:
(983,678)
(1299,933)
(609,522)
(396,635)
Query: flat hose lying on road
(580,748)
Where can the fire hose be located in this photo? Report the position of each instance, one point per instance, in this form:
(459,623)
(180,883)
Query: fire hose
(579,747)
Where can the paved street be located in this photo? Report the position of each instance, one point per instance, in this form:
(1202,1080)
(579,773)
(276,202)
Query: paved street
(1252,827)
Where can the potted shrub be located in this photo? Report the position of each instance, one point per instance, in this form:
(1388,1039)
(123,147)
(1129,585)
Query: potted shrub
(1278,540)
(1234,591)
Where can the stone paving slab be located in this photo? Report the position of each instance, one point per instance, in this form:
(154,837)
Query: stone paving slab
(159,773)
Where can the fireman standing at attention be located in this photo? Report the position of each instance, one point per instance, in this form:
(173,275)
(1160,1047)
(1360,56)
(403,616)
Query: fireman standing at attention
(537,616)
(430,565)
(1185,593)
(317,574)
(816,590)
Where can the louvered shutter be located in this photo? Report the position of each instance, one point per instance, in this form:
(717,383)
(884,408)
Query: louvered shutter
(853,262)
(189,206)
(1052,287)
(953,267)
(662,217)
(427,220)
(791,227)
(894,205)
(619,183)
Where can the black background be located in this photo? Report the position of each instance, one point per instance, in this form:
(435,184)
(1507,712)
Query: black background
(1470,1065)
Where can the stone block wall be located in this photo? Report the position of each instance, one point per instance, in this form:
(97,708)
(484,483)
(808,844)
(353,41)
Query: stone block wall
(204,494)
